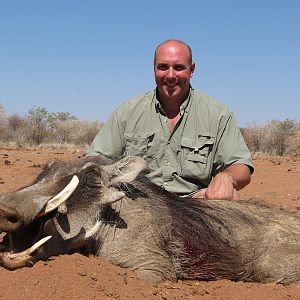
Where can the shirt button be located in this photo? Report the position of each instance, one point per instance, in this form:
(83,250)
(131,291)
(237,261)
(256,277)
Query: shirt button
(166,183)
(167,163)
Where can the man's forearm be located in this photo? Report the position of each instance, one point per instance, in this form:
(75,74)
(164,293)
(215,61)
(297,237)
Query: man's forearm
(240,174)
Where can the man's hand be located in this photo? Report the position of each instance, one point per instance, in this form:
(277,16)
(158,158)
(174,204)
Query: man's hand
(221,187)
(226,184)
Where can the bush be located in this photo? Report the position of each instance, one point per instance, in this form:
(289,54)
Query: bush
(274,138)
(280,133)
(38,125)
(75,131)
(16,130)
(62,128)
(254,136)
(42,127)
(2,122)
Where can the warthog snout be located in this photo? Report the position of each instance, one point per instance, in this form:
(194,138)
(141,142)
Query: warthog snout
(9,219)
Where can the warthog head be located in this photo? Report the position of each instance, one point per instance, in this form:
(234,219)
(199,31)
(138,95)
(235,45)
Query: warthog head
(61,211)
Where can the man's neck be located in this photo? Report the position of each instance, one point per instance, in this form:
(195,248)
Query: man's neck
(171,109)
(171,106)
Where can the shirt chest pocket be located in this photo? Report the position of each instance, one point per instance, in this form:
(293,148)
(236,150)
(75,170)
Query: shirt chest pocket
(195,156)
(138,143)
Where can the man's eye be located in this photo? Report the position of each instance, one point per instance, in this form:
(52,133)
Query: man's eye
(179,68)
(162,68)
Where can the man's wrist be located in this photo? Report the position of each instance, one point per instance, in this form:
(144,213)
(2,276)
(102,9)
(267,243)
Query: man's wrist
(229,176)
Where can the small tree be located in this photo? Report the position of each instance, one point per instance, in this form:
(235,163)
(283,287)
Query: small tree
(15,122)
(282,131)
(17,128)
(63,116)
(59,131)
(254,136)
(39,122)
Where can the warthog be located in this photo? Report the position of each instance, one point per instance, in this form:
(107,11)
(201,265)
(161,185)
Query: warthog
(111,210)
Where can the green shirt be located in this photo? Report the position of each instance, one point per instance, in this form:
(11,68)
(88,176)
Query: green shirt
(205,141)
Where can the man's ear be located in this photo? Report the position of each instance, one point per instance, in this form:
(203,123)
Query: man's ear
(126,170)
(193,66)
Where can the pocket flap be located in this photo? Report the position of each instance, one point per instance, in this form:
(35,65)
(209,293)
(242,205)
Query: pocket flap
(197,143)
(142,136)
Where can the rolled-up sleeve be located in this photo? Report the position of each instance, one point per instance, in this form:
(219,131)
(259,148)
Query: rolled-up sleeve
(231,147)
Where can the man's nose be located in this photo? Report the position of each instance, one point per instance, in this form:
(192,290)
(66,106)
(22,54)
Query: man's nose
(171,72)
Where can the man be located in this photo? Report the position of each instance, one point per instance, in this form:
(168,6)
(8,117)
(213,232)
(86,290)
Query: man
(191,143)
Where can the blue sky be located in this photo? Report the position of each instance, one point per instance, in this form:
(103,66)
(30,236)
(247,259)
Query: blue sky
(86,57)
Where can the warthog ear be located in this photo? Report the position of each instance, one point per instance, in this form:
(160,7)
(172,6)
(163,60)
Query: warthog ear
(91,173)
(88,165)
(126,169)
(111,195)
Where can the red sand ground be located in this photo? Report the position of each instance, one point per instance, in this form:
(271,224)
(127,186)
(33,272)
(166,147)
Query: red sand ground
(276,181)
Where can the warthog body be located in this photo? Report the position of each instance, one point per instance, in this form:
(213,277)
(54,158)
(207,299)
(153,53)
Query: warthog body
(116,213)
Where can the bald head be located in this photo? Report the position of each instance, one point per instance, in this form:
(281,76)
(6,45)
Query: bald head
(173,69)
(174,43)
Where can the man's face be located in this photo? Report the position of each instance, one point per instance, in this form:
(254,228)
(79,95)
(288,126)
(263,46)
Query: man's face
(173,71)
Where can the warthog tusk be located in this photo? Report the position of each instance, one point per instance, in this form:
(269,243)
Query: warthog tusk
(30,250)
(63,195)
(38,244)
(14,261)
(60,197)
(93,230)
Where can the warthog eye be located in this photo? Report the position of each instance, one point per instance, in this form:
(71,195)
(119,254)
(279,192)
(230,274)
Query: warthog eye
(12,219)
